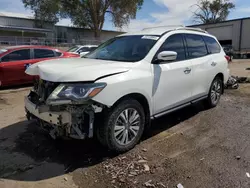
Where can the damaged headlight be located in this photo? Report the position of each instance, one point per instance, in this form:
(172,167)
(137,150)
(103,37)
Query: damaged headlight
(75,92)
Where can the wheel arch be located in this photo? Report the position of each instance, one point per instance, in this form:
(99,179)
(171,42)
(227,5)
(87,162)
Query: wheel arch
(139,97)
(143,101)
(221,75)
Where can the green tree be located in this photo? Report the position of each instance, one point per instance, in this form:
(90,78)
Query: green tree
(85,13)
(212,11)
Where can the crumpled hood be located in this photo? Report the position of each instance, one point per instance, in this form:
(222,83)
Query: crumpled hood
(76,69)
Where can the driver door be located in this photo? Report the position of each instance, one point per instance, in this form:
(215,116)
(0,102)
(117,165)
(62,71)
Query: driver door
(172,80)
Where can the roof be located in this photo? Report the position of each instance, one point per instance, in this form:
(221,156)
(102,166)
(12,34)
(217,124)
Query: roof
(162,30)
(80,28)
(238,19)
(30,17)
(15,15)
(88,46)
(25,28)
(27,46)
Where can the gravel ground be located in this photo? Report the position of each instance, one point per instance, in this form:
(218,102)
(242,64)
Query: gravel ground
(193,147)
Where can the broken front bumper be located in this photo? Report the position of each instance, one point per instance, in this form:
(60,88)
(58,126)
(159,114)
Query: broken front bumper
(63,123)
(55,118)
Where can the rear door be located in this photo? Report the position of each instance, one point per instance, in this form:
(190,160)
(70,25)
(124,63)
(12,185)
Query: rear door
(13,66)
(199,55)
(215,59)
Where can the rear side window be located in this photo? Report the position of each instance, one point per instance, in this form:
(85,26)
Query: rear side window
(174,43)
(18,55)
(43,53)
(196,46)
(212,45)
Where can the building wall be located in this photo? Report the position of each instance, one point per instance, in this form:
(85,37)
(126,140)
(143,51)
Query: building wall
(245,42)
(20,22)
(225,31)
(77,35)
(235,30)
(68,34)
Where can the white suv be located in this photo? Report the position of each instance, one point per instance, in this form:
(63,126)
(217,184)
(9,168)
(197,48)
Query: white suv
(125,83)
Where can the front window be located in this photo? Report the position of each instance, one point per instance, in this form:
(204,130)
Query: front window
(127,48)
(73,49)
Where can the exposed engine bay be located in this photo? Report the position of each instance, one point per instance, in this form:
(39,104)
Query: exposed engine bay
(75,120)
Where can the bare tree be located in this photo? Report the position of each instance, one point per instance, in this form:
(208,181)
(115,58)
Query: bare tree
(212,11)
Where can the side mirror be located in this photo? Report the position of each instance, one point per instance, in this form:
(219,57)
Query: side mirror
(166,56)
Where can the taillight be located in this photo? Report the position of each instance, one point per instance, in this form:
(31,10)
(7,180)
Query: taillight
(227,58)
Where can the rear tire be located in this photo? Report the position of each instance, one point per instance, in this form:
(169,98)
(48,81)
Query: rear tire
(215,92)
(123,126)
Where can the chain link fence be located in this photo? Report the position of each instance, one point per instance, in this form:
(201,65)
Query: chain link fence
(56,42)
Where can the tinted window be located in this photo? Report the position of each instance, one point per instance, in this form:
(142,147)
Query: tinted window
(73,49)
(17,55)
(196,46)
(212,45)
(92,49)
(58,54)
(84,49)
(175,43)
(43,53)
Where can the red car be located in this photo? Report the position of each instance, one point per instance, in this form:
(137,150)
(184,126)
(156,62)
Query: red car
(15,60)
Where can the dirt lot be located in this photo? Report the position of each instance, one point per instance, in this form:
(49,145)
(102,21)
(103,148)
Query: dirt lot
(239,67)
(194,147)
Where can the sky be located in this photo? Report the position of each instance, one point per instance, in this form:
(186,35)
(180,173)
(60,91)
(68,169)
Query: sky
(153,13)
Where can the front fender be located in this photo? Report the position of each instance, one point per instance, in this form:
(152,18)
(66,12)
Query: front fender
(118,86)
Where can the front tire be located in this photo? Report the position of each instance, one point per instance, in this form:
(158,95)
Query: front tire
(123,127)
(215,92)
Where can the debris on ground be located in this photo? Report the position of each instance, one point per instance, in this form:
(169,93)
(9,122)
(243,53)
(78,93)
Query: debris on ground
(65,179)
(232,83)
(248,175)
(144,149)
(243,79)
(121,168)
(161,185)
(180,185)
(238,157)
(149,184)
(142,161)
(146,168)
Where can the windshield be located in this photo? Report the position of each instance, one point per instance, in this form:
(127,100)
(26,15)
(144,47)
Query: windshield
(73,49)
(127,48)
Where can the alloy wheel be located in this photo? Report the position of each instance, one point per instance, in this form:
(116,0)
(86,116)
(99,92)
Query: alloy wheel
(216,92)
(127,126)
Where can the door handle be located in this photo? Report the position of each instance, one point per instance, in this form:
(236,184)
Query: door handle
(187,70)
(213,64)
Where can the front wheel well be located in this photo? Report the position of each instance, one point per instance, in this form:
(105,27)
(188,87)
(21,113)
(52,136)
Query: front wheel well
(143,101)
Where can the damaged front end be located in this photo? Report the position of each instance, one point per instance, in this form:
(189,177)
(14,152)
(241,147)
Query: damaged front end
(65,110)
